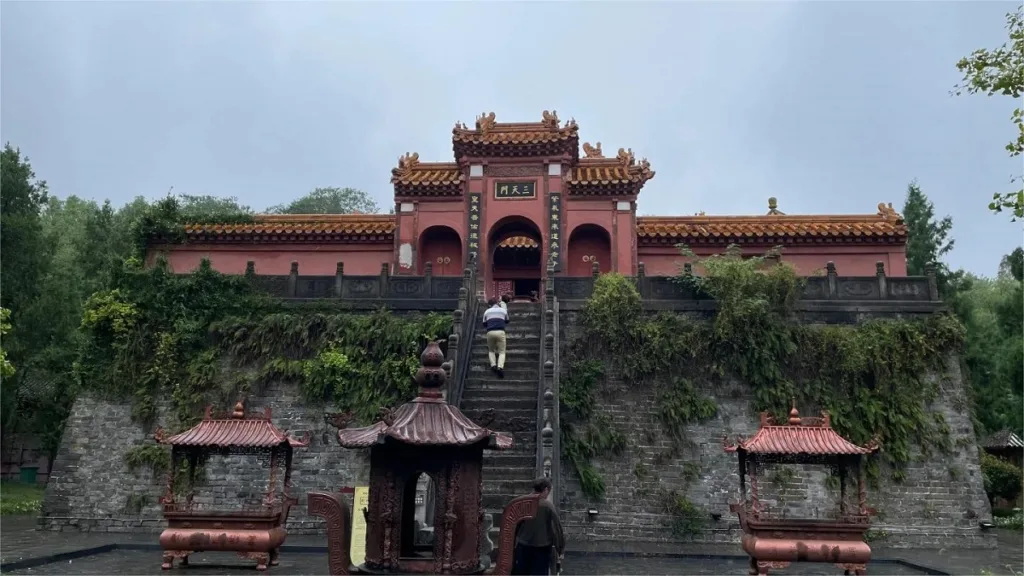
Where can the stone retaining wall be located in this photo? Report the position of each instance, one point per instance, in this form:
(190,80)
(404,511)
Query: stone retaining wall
(940,504)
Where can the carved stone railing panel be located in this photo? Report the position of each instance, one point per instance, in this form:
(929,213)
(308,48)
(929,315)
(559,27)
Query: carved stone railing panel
(574,288)
(445,286)
(407,287)
(314,287)
(361,287)
(857,288)
(816,288)
(915,289)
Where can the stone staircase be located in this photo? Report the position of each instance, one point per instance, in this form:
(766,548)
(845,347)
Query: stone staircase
(507,405)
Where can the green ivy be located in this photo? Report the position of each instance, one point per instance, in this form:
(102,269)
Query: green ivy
(205,338)
(877,377)
(165,220)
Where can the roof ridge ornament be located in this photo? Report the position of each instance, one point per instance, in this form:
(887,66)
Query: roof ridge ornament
(431,376)
(408,162)
(773,207)
(550,119)
(626,157)
(887,212)
(485,122)
(592,151)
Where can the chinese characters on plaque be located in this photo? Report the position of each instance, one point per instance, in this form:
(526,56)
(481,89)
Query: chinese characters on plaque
(473,244)
(510,190)
(555,230)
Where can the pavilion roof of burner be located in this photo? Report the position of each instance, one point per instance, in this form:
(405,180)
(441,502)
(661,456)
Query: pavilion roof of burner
(797,437)
(236,430)
(427,420)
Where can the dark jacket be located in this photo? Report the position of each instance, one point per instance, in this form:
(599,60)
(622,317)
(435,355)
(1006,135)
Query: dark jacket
(544,529)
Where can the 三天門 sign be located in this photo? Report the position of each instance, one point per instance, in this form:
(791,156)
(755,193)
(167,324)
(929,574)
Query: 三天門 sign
(512,190)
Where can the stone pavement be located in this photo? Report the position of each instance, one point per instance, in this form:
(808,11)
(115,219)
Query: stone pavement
(137,554)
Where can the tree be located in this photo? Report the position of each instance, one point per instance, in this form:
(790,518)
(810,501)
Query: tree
(1001,71)
(6,368)
(207,207)
(329,201)
(25,251)
(927,238)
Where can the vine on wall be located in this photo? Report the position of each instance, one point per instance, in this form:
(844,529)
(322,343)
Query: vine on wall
(877,377)
(206,338)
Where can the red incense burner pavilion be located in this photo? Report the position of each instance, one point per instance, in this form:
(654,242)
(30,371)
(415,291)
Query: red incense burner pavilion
(256,532)
(774,543)
(426,435)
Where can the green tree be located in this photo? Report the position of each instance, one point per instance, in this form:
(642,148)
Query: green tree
(6,368)
(928,239)
(25,250)
(330,200)
(207,207)
(1000,71)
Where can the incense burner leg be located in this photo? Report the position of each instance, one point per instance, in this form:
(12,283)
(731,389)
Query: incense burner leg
(261,558)
(275,554)
(170,555)
(850,569)
(753,567)
(764,565)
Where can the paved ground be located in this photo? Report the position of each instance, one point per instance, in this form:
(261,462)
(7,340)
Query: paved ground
(20,541)
(139,562)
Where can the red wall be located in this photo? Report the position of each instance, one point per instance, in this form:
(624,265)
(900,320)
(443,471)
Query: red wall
(313,259)
(808,260)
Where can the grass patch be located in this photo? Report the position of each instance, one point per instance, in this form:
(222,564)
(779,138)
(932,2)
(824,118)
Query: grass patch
(18,498)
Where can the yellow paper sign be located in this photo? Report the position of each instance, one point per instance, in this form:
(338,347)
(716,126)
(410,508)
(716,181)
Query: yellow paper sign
(357,550)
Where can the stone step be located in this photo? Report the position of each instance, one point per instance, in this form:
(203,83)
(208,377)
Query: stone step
(505,459)
(511,335)
(494,393)
(495,503)
(509,472)
(502,384)
(511,349)
(494,485)
(483,372)
(512,362)
(506,404)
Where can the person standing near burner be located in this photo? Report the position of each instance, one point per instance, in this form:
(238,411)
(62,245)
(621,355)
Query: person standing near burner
(495,319)
(540,539)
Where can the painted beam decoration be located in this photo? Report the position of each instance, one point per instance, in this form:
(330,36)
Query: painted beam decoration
(515,190)
(555,230)
(473,239)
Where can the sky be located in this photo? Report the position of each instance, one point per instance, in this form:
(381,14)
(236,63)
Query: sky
(832,107)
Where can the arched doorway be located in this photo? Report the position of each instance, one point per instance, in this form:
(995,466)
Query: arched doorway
(589,243)
(442,247)
(515,249)
(417,539)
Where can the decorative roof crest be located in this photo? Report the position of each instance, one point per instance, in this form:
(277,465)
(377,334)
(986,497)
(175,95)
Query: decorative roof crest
(773,207)
(408,162)
(550,119)
(485,122)
(592,151)
(887,212)
(626,157)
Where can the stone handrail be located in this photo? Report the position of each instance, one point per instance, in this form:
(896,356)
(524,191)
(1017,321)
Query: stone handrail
(460,342)
(547,401)
(830,287)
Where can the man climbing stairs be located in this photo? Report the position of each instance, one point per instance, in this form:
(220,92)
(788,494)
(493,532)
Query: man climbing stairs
(507,404)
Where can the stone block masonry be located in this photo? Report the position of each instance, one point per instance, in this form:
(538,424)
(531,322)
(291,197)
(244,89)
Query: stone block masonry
(939,504)
(92,489)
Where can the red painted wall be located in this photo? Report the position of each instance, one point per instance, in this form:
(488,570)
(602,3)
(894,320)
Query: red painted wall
(587,244)
(313,259)
(808,260)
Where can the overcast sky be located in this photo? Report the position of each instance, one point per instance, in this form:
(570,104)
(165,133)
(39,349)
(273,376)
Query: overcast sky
(832,107)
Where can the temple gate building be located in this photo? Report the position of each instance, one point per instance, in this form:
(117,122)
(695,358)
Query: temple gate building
(518,196)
